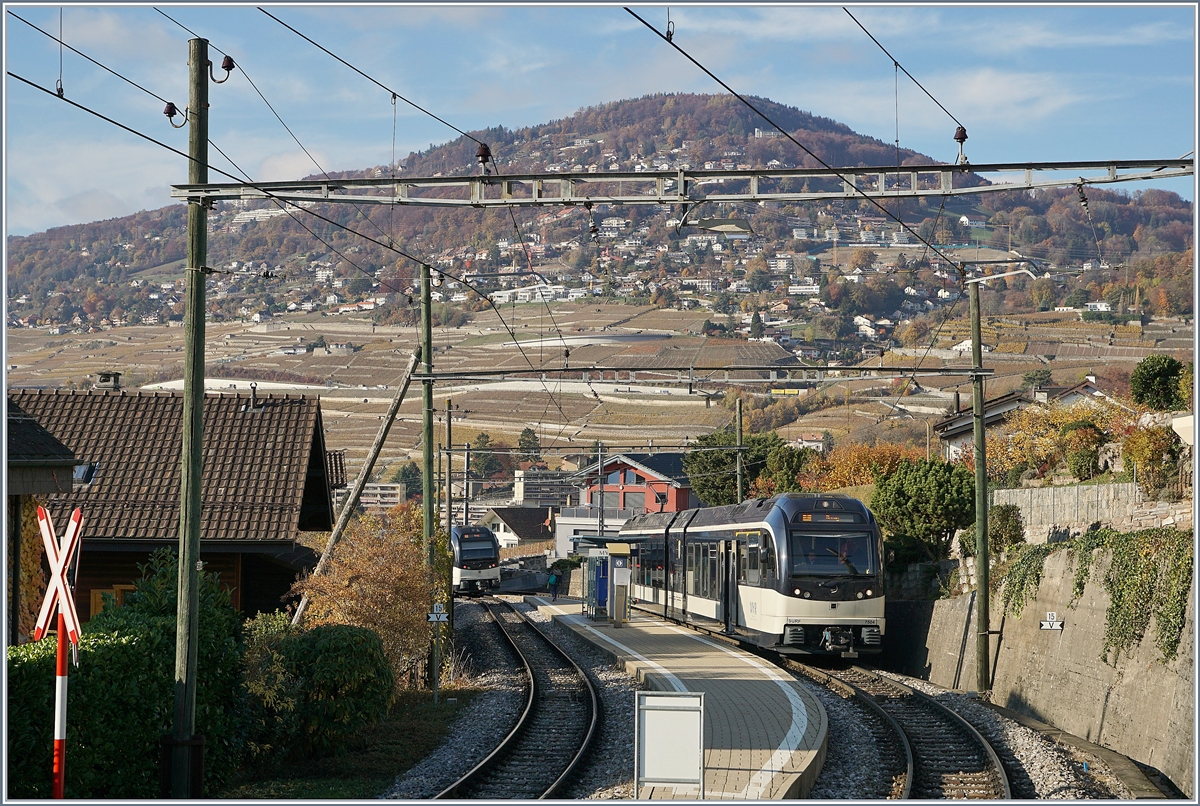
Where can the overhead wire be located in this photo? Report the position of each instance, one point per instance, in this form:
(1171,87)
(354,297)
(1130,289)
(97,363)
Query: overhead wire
(848,183)
(307,153)
(395,95)
(63,44)
(884,210)
(374,81)
(901,67)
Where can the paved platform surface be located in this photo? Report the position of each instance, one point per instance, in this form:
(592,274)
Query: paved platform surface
(765,733)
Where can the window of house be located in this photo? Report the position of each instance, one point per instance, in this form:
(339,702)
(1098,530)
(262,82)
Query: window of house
(116,591)
(635,500)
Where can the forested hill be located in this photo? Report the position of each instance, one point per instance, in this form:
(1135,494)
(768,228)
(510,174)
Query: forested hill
(85,270)
(676,127)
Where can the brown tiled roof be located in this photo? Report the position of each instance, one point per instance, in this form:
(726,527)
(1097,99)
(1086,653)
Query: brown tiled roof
(32,445)
(264,472)
(527,523)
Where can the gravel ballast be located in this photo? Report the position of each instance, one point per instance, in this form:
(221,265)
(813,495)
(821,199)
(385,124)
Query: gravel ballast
(1039,768)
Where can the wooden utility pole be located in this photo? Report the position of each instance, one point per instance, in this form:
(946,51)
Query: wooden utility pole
(982,575)
(187,614)
(428,507)
(741,488)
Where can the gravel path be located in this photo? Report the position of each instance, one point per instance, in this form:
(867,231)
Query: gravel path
(1046,770)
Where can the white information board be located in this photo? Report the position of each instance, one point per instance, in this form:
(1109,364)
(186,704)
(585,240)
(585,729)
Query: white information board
(669,741)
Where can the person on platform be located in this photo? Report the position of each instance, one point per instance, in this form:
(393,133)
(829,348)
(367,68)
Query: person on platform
(553,582)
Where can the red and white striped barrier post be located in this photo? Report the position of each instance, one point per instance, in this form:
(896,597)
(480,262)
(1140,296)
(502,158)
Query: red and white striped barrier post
(60,712)
(58,597)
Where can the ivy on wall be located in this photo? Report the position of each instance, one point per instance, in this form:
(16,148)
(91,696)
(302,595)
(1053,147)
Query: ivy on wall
(1148,578)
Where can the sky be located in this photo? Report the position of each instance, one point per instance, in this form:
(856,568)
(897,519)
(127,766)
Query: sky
(1029,82)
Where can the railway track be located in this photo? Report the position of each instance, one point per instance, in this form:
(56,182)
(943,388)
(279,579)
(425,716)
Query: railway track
(561,714)
(926,750)
(949,759)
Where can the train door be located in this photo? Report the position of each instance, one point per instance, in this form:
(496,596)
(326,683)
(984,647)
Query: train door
(676,568)
(729,575)
(749,587)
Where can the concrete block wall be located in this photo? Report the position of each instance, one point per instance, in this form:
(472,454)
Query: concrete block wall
(1141,706)
(1047,510)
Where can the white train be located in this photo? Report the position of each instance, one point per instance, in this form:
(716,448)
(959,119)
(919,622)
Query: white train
(799,572)
(476,560)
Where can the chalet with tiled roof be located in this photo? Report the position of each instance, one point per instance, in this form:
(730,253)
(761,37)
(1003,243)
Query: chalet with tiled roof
(37,465)
(265,480)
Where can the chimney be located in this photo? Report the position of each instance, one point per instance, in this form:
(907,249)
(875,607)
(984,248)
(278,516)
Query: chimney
(957,401)
(109,379)
(253,396)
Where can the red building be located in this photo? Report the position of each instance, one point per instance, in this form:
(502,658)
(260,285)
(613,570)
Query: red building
(633,483)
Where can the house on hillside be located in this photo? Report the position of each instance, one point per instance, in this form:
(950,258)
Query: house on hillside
(628,484)
(957,431)
(266,479)
(38,465)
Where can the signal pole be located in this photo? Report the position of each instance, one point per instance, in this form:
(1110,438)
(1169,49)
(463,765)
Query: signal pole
(187,614)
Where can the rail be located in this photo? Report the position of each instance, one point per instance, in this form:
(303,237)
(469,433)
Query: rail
(523,763)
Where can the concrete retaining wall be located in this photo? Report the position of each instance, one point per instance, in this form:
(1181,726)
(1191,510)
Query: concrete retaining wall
(1045,509)
(1140,707)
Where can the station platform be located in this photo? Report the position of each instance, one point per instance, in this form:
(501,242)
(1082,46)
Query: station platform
(765,733)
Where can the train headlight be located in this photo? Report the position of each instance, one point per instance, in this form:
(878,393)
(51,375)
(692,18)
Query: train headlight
(807,594)
(870,592)
(860,594)
(796,591)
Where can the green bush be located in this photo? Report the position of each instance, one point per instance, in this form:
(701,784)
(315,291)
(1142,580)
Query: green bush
(272,688)
(121,697)
(345,682)
(1006,529)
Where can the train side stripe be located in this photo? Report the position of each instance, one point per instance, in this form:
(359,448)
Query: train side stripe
(761,780)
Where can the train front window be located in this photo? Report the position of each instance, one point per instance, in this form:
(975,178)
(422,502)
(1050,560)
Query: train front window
(476,549)
(829,553)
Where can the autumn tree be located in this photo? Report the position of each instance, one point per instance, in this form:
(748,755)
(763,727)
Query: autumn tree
(853,465)
(376,578)
(863,258)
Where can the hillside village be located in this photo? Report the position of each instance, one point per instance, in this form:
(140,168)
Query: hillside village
(832,281)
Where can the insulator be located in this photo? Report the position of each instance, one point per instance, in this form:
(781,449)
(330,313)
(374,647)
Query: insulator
(483,154)
(566,352)
(227,64)
(960,135)
(170,110)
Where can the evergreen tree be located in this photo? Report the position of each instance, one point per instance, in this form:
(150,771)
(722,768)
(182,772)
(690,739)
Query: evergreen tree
(409,475)
(756,326)
(1155,382)
(529,445)
(926,502)
(484,463)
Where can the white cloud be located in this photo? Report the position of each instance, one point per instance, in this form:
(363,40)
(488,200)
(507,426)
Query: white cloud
(282,166)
